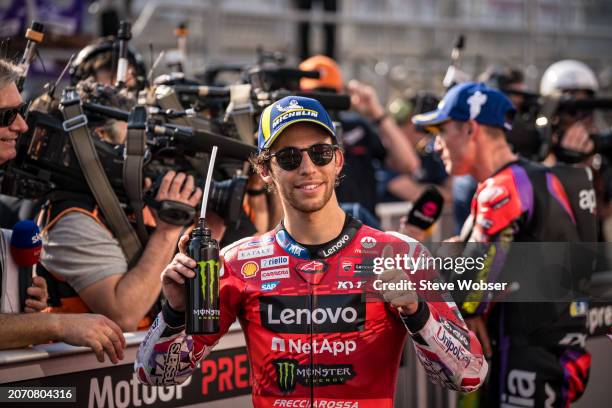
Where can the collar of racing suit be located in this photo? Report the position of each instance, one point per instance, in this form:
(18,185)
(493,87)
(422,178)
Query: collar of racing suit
(291,246)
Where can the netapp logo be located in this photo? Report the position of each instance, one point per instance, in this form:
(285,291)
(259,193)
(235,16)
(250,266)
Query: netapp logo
(328,314)
(306,347)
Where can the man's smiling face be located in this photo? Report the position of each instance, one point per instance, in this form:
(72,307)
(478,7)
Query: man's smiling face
(309,187)
(10,98)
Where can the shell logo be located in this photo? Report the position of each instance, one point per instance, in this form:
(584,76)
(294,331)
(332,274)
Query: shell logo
(249,269)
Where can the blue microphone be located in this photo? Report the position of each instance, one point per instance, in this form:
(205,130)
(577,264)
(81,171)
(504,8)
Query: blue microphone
(25,247)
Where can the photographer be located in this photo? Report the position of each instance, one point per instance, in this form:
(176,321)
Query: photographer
(571,140)
(20,330)
(77,240)
(97,60)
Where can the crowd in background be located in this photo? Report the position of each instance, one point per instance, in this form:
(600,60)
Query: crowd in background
(388,158)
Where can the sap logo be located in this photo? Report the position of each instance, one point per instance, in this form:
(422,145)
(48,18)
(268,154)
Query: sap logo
(269,286)
(316,347)
(368,242)
(587,200)
(350,284)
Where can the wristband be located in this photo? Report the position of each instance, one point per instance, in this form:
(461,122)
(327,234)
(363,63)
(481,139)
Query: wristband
(379,119)
(417,320)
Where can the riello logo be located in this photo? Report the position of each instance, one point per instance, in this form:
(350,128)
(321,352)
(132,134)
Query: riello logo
(208,271)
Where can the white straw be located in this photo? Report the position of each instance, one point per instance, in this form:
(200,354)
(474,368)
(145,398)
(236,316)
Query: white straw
(211,166)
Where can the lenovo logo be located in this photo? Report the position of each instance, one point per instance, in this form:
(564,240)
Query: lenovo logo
(324,313)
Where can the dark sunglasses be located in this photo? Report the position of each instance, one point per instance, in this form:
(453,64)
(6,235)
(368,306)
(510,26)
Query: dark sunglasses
(8,115)
(290,158)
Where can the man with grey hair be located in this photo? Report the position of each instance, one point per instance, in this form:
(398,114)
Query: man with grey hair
(11,108)
(20,330)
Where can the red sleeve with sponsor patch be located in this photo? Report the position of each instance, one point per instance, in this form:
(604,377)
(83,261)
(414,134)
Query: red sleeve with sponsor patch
(496,205)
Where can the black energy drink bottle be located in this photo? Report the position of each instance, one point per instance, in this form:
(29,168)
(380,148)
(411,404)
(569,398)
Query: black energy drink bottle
(202,312)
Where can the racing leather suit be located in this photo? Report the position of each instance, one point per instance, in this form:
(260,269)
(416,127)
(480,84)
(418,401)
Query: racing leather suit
(312,337)
(539,355)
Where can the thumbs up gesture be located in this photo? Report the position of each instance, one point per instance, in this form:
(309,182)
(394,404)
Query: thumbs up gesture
(404,300)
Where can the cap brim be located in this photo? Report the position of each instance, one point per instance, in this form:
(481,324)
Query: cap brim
(271,141)
(432,118)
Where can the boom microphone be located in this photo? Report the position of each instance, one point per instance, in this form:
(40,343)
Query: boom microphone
(426,209)
(124,35)
(34,35)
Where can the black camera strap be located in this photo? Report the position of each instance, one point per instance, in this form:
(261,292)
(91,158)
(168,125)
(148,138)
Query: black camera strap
(135,146)
(75,123)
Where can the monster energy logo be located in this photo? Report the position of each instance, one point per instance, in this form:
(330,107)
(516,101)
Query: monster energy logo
(289,373)
(212,267)
(286,372)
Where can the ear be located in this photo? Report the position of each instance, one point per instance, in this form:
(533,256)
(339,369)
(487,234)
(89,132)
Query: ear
(100,131)
(266,173)
(338,161)
(473,128)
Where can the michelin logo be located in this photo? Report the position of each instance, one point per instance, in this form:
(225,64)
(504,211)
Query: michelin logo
(289,115)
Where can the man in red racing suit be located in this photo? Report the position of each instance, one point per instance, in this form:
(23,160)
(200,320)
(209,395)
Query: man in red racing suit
(314,336)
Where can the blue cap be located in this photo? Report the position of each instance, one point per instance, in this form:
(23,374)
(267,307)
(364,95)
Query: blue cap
(468,101)
(291,109)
